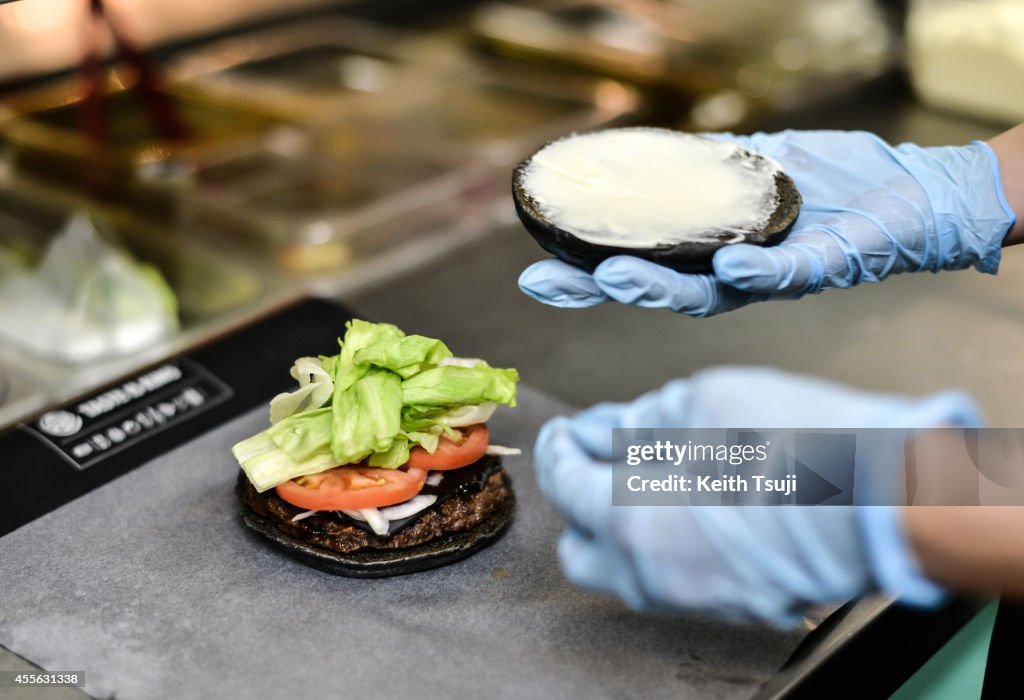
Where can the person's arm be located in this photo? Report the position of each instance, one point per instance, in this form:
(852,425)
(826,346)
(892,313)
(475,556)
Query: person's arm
(1009,150)
(978,549)
(964,523)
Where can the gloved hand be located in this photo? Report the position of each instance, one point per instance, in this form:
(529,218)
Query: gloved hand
(739,562)
(870,210)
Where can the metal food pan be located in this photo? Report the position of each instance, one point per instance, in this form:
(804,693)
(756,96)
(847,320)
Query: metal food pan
(703,65)
(492,115)
(42,131)
(300,70)
(336,203)
(427,90)
(394,166)
(630,40)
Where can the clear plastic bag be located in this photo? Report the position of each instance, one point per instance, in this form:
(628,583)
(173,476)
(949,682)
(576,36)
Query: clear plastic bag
(86,300)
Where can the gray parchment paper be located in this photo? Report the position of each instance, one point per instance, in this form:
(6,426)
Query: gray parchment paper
(152,586)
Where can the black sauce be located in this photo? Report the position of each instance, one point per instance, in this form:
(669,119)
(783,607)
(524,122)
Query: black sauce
(469,479)
(456,482)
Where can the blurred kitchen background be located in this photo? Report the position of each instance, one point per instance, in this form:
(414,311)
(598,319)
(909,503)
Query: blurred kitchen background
(170,171)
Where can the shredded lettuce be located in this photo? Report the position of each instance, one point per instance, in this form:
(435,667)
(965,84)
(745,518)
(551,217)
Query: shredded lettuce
(384,393)
(396,455)
(407,357)
(267,465)
(304,435)
(451,387)
(367,416)
(435,420)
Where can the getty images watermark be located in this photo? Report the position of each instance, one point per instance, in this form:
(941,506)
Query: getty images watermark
(947,466)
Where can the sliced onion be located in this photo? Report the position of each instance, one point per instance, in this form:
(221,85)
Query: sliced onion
(411,507)
(379,518)
(498,450)
(377,522)
(303,516)
(434,478)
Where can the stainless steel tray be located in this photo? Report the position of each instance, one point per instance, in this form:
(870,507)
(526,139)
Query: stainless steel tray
(303,70)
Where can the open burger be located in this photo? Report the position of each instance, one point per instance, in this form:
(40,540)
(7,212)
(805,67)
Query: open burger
(380,462)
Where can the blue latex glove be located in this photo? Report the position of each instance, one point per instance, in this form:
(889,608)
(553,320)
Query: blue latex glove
(739,562)
(870,210)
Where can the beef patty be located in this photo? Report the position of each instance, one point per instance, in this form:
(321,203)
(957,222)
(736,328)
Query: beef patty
(460,512)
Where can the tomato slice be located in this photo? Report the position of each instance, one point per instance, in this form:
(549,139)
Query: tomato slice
(352,487)
(451,455)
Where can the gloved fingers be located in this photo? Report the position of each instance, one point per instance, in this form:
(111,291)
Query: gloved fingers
(638,282)
(679,565)
(827,542)
(777,145)
(780,146)
(557,283)
(794,555)
(790,268)
(735,396)
(802,154)
(579,486)
(598,565)
(772,579)
(667,407)
(662,408)
(592,428)
(944,408)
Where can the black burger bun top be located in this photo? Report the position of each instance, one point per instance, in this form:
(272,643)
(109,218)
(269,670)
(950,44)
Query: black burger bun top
(666,196)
